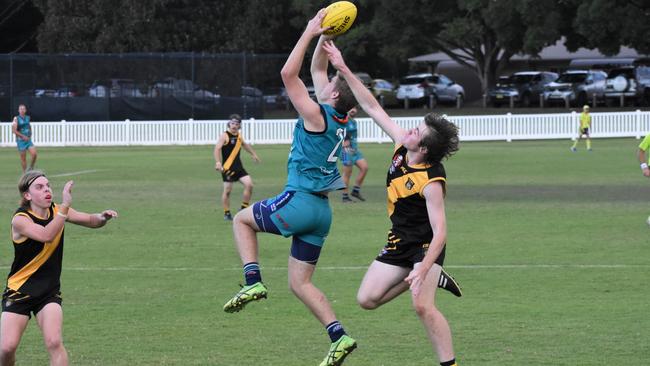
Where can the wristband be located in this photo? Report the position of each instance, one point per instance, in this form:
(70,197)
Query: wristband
(62,215)
(644,166)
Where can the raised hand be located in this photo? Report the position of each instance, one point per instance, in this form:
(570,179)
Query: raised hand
(334,55)
(314,27)
(66,196)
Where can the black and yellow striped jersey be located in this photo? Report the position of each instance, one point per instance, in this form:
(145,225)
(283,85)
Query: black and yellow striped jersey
(407,206)
(36,270)
(231,150)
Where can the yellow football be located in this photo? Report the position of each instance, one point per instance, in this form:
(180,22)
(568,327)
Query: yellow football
(340,16)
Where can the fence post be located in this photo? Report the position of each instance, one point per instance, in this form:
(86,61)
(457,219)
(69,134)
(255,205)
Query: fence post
(406,103)
(541,100)
(638,124)
(566,102)
(509,126)
(594,101)
(575,120)
(381,101)
(512,102)
(484,100)
(190,140)
(128,131)
(252,139)
(458,99)
(64,133)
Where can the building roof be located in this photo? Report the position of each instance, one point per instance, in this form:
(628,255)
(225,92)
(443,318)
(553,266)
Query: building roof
(558,51)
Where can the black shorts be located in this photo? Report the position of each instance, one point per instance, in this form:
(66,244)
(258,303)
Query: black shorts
(584,131)
(15,302)
(406,255)
(233,175)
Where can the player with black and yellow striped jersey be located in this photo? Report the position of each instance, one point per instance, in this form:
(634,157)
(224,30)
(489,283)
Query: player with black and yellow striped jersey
(33,284)
(416,185)
(228,162)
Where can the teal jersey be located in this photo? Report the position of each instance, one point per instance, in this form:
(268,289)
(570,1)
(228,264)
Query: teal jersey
(313,156)
(351,133)
(23,125)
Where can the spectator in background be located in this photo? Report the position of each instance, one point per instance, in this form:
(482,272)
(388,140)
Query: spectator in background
(352,156)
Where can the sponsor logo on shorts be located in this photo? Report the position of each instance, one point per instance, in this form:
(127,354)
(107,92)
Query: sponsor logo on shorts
(281,201)
(284,223)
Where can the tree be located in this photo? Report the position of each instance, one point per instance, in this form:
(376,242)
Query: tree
(479,34)
(19,20)
(609,24)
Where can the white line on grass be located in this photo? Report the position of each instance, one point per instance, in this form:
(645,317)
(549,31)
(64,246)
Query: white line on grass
(74,173)
(357,268)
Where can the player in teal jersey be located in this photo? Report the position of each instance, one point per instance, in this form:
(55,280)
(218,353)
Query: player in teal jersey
(352,156)
(22,128)
(302,210)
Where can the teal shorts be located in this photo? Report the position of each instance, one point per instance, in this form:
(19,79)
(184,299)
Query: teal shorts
(349,159)
(24,145)
(305,216)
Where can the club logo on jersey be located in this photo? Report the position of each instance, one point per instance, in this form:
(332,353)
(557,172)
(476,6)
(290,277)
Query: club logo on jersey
(409,184)
(397,161)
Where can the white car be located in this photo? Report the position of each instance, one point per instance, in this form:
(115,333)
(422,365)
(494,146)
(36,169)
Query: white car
(421,87)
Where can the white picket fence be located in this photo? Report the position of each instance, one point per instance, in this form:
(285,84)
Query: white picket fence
(506,127)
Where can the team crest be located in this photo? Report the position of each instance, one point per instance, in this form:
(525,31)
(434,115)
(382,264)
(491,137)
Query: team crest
(409,184)
(397,161)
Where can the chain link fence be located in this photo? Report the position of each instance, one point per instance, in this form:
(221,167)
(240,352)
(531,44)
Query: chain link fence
(146,86)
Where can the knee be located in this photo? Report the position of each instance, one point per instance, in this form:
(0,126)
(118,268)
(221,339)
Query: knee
(226,192)
(425,311)
(249,186)
(367,302)
(53,343)
(8,349)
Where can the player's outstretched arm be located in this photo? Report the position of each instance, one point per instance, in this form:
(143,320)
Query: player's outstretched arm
(365,98)
(250,150)
(319,66)
(296,89)
(91,220)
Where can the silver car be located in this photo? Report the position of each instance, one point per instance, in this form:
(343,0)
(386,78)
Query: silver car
(423,87)
(577,86)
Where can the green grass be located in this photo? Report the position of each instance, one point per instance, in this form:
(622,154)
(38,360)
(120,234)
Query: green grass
(551,248)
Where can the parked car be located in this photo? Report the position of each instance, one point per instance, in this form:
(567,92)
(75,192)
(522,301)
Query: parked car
(633,82)
(114,88)
(523,87)
(180,88)
(578,86)
(384,90)
(421,87)
(365,79)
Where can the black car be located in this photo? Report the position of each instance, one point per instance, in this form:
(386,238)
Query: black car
(523,87)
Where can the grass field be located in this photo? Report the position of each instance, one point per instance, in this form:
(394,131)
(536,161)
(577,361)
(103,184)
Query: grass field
(551,248)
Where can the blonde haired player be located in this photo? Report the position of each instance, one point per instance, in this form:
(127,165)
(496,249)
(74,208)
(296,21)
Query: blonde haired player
(585,125)
(37,232)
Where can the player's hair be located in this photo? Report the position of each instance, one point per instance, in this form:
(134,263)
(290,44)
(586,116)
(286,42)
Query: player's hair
(235,116)
(23,185)
(441,140)
(346,99)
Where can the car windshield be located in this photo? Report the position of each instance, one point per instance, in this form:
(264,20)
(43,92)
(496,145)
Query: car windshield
(522,78)
(571,78)
(411,80)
